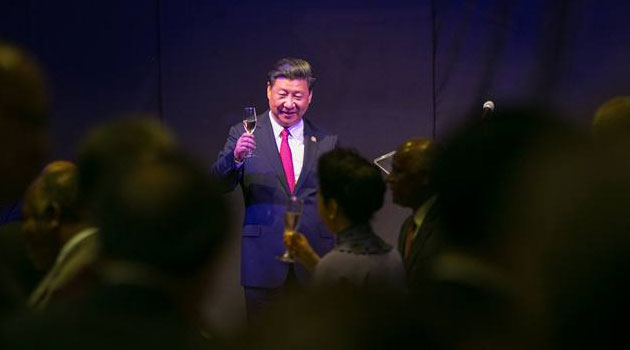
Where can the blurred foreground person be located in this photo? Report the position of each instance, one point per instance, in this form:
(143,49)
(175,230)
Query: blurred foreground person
(23,121)
(413,186)
(351,191)
(338,318)
(483,289)
(161,225)
(587,270)
(23,141)
(578,202)
(58,240)
(110,150)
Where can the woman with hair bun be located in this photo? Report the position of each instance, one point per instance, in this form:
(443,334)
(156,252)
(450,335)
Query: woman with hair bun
(351,191)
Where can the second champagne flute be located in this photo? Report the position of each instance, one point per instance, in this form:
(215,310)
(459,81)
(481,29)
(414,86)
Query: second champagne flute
(291,222)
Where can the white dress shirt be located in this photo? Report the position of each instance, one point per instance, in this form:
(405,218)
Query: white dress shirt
(73,257)
(296,142)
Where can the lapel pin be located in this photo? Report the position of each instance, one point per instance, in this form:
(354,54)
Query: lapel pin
(313,138)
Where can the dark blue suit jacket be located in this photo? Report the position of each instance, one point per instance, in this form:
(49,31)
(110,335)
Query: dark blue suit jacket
(266,193)
(425,246)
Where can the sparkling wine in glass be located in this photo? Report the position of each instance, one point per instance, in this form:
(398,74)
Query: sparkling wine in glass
(291,222)
(249,122)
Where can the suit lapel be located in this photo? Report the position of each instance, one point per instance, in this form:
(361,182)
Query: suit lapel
(402,236)
(424,234)
(311,150)
(267,142)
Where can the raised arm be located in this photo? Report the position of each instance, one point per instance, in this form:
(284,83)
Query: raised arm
(227,167)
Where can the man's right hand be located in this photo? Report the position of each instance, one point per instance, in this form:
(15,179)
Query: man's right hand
(244,145)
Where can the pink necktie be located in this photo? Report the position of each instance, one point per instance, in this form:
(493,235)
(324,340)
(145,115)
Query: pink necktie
(287,159)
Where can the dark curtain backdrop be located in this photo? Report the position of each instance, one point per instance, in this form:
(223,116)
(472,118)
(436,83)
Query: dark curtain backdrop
(387,70)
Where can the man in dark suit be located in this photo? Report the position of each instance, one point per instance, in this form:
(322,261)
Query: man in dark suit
(24,144)
(58,239)
(161,223)
(412,185)
(23,115)
(285,148)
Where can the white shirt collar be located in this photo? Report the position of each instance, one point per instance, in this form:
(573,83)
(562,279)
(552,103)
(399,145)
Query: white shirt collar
(296,130)
(72,242)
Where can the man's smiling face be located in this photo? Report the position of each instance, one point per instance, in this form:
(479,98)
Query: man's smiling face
(289,100)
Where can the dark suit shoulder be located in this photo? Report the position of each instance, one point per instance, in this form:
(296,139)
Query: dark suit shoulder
(314,130)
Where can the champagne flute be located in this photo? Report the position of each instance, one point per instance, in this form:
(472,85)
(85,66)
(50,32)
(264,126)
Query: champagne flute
(249,122)
(291,222)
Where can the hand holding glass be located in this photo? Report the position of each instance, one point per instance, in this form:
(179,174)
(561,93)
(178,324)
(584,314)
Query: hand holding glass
(291,222)
(249,123)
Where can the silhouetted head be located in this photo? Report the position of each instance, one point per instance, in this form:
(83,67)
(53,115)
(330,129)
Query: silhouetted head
(578,214)
(23,117)
(168,215)
(50,203)
(411,179)
(350,185)
(110,150)
(480,170)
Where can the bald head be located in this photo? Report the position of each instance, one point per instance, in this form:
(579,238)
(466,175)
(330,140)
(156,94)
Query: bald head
(420,152)
(58,166)
(49,205)
(411,180)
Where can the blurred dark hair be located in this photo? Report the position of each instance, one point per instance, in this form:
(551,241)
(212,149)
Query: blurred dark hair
(23,121)
(292,68)
(111,149)
(353,181)
(478,171)
(168,214)
(23,91)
